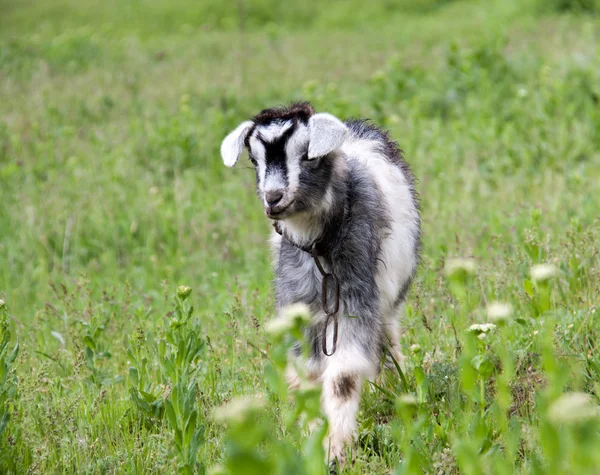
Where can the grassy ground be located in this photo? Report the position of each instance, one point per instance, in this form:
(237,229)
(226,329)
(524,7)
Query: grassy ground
(113,194)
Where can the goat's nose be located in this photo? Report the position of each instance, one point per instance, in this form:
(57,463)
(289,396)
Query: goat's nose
(273,197)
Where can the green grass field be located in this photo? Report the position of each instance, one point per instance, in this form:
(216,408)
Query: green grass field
(113,194)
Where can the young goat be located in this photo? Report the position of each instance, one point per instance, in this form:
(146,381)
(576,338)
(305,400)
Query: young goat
(343,202)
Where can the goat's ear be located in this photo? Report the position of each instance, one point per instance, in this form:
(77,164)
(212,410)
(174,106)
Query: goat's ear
(233,145)
(326,134)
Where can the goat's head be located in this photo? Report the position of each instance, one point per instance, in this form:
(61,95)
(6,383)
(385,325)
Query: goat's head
(292,150)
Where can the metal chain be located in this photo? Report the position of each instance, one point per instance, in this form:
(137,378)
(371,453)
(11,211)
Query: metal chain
(330,311)
(328,277)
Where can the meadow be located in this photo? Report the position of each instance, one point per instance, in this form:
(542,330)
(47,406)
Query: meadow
(135,277)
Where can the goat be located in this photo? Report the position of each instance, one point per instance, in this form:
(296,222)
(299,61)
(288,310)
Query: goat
(341,197)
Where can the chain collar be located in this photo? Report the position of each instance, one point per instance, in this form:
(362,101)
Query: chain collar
(321,248)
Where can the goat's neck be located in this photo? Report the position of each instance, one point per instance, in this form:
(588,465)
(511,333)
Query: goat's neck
(307,228)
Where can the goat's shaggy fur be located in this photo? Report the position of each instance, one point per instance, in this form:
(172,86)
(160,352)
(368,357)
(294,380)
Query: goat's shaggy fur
(345,184)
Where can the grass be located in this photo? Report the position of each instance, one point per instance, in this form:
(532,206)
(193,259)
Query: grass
(113,194)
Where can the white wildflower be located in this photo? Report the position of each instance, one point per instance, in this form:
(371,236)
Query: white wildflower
(499,312)
(407,400)
(573,408)
(288,319)
(482,329)
(453,266)
(416,348)
(238,409)
(2,304)
(543,272)
(183,291)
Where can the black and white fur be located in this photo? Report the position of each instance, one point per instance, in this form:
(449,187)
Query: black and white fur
(347,182)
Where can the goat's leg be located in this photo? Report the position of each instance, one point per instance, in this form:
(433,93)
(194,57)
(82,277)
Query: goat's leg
(340,399)
(345,372)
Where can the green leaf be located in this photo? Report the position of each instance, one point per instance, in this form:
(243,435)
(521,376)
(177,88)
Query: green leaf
(190,428)
(148,396)
(89,342)
(171,417)
(133,360)
(314,453)
(169,369)
(420,376)
(4,422)
(247,463)
(13,355)
(186,469)
(139,402)
(400,373)
(134,375)
(176,399)
(483,365)
(89,357)
(422,384)
(197,441)
(178,440)
(528,287)
(389,394)
(190,398)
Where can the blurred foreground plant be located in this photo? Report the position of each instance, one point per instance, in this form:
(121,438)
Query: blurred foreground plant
(253,443)
(479,429)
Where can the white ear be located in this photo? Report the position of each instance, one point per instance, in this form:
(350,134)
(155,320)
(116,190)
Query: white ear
(233,145)
(327,133)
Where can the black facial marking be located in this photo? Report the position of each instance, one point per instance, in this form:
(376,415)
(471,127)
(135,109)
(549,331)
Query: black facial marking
(275,156)
(298,112)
